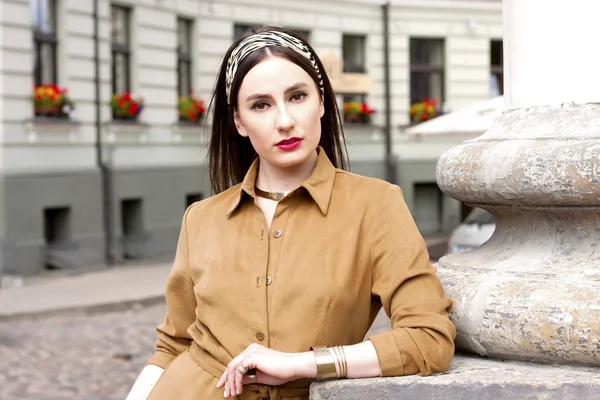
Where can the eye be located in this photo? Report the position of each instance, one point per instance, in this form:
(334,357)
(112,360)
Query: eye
(298,96)
(259,105)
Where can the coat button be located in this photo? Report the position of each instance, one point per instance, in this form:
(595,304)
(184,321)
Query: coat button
(277,234)
(269,280)
(260,336)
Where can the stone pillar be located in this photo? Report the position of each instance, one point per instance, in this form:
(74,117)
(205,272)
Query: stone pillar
(532,292)
(3,112)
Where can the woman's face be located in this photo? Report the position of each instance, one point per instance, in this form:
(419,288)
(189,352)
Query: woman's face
(279,109)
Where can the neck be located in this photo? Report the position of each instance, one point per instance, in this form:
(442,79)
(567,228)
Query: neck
(274,179)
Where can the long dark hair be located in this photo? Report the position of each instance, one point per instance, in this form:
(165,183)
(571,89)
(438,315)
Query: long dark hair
(230,154)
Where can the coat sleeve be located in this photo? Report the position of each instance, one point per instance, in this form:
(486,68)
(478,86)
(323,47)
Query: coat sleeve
(172,333)
(422,337)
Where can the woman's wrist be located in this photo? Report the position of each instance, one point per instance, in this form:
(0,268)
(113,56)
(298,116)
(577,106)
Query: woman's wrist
(307,366)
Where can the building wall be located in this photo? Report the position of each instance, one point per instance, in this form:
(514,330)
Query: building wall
(45,165)
(467,28)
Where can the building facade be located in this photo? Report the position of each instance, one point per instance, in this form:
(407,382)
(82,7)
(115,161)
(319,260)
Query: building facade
(102,162)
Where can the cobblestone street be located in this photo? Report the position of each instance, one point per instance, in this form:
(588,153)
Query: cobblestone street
(93,357)
(76,357)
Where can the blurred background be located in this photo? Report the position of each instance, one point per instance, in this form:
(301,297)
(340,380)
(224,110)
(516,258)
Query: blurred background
(103,111)
(103,123)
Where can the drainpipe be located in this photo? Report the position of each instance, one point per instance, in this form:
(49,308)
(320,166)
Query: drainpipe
(105,170)
(390,160)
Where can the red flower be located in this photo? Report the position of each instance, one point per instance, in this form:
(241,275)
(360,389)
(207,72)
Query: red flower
(365,109)
(133,109)
(192,115)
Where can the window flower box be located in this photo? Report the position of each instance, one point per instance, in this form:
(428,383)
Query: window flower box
(424,110)
(126,106)
(191,109)
(51,101)
(355,112)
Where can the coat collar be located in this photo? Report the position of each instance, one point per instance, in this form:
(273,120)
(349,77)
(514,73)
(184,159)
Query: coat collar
(319,184)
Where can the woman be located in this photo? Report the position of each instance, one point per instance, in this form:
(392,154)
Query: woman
(293,254)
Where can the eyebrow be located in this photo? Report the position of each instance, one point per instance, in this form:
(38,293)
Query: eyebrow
(296,86)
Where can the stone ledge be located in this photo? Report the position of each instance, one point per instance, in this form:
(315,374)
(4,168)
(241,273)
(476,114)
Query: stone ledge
(473,378)
(47,125)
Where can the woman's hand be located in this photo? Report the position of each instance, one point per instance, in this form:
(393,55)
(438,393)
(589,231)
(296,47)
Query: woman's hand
(272,368)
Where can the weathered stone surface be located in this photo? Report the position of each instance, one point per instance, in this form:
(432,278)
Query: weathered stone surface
(472,378)
(532,292)
(547,156)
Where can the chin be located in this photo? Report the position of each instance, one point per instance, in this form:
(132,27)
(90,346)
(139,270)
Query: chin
(289,159)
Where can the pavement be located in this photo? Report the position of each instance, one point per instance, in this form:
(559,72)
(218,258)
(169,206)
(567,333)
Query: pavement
(91,291)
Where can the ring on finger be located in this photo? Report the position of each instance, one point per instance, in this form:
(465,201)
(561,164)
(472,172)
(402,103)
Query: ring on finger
(252,379)
(242,369)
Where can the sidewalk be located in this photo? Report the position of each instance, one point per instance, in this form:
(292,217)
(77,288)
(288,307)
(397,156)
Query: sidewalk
(106,289)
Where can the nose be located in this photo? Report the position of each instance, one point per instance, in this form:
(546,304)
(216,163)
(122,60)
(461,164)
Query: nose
(285,121)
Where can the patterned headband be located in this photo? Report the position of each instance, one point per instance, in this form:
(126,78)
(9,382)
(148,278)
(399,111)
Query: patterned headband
(266,39)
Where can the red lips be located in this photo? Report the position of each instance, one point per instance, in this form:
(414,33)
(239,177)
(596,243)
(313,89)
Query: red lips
(289,144)
(288,141)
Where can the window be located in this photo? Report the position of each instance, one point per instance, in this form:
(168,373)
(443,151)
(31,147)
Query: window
(426,70)
(238,29)
(428,207)
(497,68)
(132,218)
(57,224)
(353,53)
(44,41)
(132,226)
(191,198)
(57,234)
(120,46)
(184,56)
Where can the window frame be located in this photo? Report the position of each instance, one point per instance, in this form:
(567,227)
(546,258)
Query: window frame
(361,69)
(241,27)
(121,49)
(41,39)
(497,69)
(184,58)
(428,69)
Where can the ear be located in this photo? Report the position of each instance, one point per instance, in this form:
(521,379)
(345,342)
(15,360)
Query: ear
(322,107)
(238,123)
